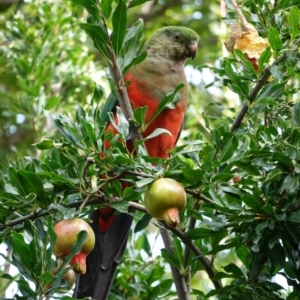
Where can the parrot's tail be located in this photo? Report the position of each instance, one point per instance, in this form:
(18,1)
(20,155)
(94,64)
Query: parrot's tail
(102,262)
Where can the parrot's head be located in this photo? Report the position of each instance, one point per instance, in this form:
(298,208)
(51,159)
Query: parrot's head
(174,42)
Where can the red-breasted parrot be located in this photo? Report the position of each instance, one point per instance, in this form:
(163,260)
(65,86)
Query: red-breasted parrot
(150,81)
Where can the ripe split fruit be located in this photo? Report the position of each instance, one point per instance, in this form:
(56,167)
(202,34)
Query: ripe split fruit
(164,199)
(66,232)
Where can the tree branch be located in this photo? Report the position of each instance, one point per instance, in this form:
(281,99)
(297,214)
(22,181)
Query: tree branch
(263,80)
(198,254)
(199,196)
(120,86)
(92,200)
(179,280)
(245,24)
(187,250)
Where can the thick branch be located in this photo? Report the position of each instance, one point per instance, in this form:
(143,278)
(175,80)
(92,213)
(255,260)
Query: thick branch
(180,284)
(263,80)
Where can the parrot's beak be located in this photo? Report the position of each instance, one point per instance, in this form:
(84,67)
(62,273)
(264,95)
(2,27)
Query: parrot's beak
(192,49)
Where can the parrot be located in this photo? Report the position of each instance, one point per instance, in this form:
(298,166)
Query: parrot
(159,74)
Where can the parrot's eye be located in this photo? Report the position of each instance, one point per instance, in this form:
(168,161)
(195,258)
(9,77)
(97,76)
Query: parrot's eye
(176,37)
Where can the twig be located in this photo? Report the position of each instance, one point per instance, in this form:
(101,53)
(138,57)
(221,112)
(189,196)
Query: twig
(89,161)
(245,24)
(198,254)
(93,200)
(199,196)
(180,284)
(84,202)
(263,80)
(187,250)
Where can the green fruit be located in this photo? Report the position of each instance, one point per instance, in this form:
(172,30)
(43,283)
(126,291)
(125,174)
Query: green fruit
(66,232)
(164,199)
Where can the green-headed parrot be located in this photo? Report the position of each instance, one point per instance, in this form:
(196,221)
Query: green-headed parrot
(149,82)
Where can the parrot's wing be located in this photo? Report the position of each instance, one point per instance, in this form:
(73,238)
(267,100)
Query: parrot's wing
(103,260)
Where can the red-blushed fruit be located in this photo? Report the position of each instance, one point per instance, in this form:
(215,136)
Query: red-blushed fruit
(66,232)
(164,199)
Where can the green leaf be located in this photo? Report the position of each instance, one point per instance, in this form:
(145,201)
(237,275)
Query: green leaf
(254,202)
(16,181)
(136,60)
(98,35)
(243,253)
(268,208)
(274,175)
(132,41)
(119,21)
(110,103)
(157,132)
(162,289)
(91,6)
(26,290)
(243,88)
(32,184)
(277,256)
(291,184)
(294,23)
(264,59)
(296,114)
(170,258)
(106,6)
(97,94)
(222,177)
(272,89)
(234,270)
(248,65)
(294,216)
(123,126)
(169,98)
(45,144)
(274,39)
(21,256)
(142,223)
(229,148)
(178,251)
(140,115)
(52,102)
(137,2)
(144,181)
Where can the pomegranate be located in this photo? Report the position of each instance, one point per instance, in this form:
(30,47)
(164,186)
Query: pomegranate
(66,232)
(164,199)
